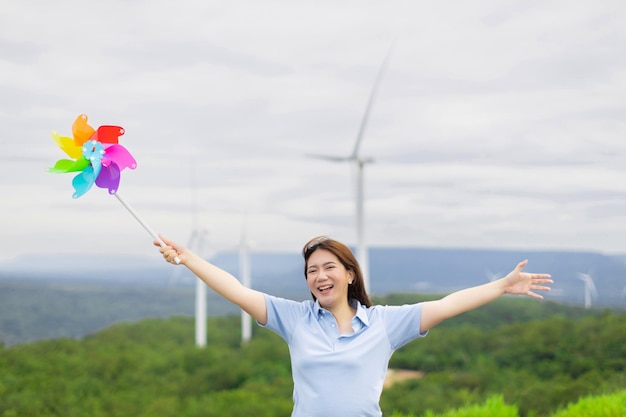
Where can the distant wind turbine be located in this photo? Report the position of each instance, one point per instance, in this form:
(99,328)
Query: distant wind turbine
(196,242)
(201,309)
(360,161)
(492,277)
(590,289)
(244,271)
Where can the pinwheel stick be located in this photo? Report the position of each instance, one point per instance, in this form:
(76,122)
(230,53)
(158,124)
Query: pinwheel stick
(144,224)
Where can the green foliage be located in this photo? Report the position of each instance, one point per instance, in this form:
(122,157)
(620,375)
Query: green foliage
(151,368)
(610,405)
(493,406)
(558,359)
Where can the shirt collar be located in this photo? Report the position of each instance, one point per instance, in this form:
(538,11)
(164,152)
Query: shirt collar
(317,308)
(361,312)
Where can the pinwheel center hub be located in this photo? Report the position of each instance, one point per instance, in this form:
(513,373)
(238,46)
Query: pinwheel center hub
(93,150)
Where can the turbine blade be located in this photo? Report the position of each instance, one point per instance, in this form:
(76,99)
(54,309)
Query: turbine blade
(329,157)
(370,102)
(591,284)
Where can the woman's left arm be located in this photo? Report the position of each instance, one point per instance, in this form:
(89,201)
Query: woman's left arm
(516,282)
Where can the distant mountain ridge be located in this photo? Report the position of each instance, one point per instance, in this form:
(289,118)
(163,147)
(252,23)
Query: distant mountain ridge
(392,269)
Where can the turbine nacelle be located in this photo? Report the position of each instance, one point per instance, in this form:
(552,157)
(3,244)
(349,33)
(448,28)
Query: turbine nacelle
(357,159)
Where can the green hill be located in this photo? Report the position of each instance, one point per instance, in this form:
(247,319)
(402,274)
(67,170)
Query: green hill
(537,356)
(37,310)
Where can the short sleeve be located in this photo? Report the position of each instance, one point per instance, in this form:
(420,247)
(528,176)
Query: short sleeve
(283,315)
(402,323)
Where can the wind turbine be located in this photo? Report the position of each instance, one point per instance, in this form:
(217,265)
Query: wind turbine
(244,271)
(196,243)
(360,162)
(590,289)
(492,277)
(201,309)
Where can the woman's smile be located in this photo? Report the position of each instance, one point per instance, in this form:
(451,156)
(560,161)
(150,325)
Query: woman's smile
(328,279)
(325,289)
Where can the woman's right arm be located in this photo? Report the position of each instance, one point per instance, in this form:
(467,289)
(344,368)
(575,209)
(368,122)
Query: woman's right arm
(220,281)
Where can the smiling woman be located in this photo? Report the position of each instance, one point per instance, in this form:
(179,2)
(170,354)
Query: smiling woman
(340,345)
(316,267)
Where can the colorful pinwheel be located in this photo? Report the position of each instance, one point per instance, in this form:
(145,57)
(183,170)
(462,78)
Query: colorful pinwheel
(99,159)
(95,154)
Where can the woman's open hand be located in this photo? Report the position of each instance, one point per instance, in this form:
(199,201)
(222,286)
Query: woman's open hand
(525,283)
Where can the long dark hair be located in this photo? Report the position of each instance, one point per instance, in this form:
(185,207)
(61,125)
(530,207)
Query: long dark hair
(356,290)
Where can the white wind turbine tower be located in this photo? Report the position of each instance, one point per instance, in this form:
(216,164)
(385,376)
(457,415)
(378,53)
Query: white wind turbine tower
(246,280)
(359,161)
(590,289)
(196,243)
(201,310)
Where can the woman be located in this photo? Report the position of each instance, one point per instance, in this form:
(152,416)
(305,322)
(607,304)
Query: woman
(339,344)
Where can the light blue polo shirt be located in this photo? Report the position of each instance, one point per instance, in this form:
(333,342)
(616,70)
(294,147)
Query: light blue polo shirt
(340,375)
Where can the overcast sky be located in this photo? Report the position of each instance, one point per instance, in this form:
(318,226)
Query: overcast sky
(496,125)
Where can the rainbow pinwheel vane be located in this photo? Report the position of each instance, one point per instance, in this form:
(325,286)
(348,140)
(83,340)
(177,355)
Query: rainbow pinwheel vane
(98,159)
(96,156)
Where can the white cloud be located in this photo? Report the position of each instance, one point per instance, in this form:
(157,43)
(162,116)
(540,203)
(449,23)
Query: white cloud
(496,125)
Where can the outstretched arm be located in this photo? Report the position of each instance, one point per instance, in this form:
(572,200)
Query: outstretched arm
(220,281)
(516,282)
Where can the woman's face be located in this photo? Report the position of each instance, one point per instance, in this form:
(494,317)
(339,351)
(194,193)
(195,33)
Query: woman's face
(327,278)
